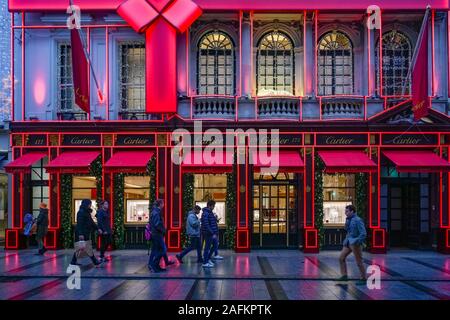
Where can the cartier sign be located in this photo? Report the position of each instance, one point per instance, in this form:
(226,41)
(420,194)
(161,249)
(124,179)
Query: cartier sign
(135,140)
(81,140)
(410,139)
(338,139)
(281,139)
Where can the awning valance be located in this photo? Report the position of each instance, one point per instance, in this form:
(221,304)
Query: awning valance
(352,161)
(417,161)
(72,162)
(282,161)
(24,163)
(129,161)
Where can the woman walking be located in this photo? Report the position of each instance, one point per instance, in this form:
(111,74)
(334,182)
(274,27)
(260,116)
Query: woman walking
(85,226)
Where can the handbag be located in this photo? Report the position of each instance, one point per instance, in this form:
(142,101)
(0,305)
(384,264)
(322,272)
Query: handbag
(83,249)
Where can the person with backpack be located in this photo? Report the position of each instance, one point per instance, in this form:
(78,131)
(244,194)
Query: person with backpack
(85,226)
(42,227)
(193,232)
(104,224)
(353,242)
(210,232)
(148,238)
(30,227)
(158,230)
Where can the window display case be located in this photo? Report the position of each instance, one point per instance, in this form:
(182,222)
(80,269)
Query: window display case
(137,211)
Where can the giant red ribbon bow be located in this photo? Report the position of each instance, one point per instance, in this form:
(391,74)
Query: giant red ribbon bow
(160,20)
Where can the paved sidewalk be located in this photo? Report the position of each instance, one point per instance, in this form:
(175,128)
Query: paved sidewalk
(260,275)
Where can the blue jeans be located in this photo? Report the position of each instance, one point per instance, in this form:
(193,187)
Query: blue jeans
(195,244)
(208,238)
(215,247)
(158,251)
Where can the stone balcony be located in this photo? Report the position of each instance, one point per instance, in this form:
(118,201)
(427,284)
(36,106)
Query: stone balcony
(342,108)
(213,107)
(278,107)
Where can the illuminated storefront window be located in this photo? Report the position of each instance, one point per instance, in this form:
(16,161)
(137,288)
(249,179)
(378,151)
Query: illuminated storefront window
(39,185)
(338,192)
(137,197)
(211,187)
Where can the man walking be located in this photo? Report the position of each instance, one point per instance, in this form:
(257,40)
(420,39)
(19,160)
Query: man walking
(193,232)
(158,232)
(210,232)
(353,242)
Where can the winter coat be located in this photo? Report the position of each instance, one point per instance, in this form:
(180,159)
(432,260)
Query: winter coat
(42,223)
(356,231)
(209,222)
(156,222)
(104,221)
(85,224)
(192,225)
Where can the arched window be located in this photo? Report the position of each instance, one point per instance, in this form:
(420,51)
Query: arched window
(275,69)
(215,72)
(396,55)
(335,64)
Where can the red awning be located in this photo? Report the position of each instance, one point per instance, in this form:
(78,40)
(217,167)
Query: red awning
(72,162)
(129,161)
(417,161)
(24,163)
(207,162)
(288,161)
(347,161)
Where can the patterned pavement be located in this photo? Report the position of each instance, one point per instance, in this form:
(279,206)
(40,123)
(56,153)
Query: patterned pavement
(259,275)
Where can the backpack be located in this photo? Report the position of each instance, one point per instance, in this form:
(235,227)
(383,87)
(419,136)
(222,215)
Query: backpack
(148,232)
(29,221)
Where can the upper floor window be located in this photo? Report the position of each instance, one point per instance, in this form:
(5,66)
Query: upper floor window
(275,65)
(335,64)
(215,72)
(66,102)
(132,76)
(396,55)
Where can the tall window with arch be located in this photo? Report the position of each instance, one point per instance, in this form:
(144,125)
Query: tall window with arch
(335,64)
(275,65)
(396,59)
(216,64)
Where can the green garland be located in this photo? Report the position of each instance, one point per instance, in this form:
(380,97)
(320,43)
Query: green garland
(318,198)
(188,202)
(230,205)
(361,201)
(151,171)
(96,171)
(119,226)
(66,211)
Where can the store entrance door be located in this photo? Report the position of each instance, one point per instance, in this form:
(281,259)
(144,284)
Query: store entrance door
(405,215)
(274,214)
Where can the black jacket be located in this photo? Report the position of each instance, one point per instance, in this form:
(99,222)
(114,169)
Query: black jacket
(104,221)
(42,223)
(85,224)
(156,222)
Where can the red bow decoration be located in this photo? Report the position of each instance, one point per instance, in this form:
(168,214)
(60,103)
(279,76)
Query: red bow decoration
(160,20)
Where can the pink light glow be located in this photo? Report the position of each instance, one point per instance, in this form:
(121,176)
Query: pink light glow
(39,91)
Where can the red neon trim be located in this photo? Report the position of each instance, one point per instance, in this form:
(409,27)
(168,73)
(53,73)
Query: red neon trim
(307,246)
(369,67)
(380,59)
(448,54)
(8,237)
(12,69)
(312,186)
(383,237)
(240,56)
(23,68)
(107,72)
(21,200)
(316,61)
(433,80)
(447,237)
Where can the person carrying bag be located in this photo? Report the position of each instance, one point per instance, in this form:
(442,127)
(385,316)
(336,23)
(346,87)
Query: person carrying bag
(85,226)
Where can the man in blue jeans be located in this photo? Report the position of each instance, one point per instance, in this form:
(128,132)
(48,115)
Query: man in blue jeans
(193,232)
(210,233)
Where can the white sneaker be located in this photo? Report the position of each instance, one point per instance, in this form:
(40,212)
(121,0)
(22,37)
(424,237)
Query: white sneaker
(207,265)
(210,262)
(218,257)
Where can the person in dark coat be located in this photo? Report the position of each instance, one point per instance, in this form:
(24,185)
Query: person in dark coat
(210,233)
(104,224)
(158,231)
(85,226)
(42,227)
